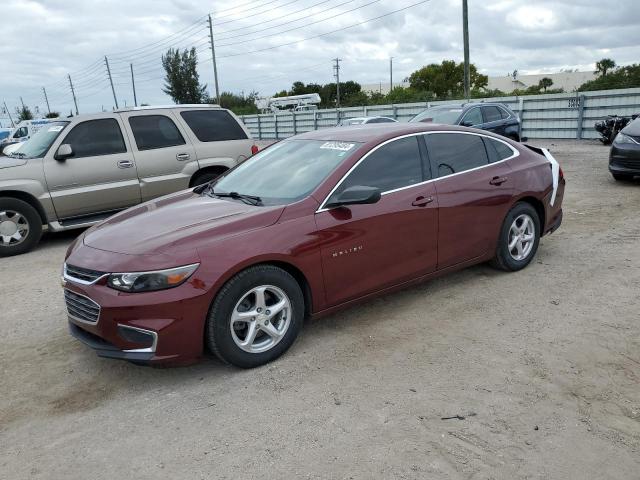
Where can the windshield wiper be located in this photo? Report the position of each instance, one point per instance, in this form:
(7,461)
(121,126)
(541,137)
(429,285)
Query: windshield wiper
(248,199)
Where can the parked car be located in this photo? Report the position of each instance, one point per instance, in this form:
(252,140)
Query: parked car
(494,117)
(79,171)
(366,120)
(23,132)
(237,264)
(4,133)
(624,157)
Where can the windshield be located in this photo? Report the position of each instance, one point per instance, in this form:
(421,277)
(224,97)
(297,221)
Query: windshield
(38,145)
(448,116)
(287,171)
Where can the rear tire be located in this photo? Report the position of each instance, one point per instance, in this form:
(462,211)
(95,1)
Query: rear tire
(20,227)
(519,238)
(241,330)
(206,177)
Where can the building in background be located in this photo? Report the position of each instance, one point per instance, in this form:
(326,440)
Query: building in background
(568,81)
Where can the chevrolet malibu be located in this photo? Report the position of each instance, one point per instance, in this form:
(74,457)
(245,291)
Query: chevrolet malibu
(310,225)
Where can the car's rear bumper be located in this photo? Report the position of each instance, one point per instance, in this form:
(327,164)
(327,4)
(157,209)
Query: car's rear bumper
(555,223)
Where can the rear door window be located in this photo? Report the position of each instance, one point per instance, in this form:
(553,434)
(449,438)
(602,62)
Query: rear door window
(213,125)
(456,152)
(491,114)
(394,165)
(96,137)
(155,131)
(497,150)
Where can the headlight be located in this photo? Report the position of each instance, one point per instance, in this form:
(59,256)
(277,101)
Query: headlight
(151,281)
(622,139)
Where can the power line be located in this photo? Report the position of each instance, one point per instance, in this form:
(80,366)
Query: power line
(326,33)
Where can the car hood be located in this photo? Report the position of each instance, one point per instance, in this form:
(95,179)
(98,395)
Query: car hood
(6,162)
(178,222)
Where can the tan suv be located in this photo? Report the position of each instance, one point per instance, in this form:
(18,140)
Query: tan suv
(78,171)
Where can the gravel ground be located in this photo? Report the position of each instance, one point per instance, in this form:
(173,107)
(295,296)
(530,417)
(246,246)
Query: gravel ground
(543,364)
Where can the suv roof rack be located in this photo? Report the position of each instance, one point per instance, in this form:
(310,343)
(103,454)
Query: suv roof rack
(156,107)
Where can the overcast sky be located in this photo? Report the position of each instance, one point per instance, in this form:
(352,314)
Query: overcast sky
(44,40)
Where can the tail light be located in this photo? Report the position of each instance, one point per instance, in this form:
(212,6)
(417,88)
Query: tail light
(561,174)
(254,149)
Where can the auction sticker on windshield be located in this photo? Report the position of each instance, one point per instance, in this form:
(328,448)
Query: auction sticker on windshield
(343,147)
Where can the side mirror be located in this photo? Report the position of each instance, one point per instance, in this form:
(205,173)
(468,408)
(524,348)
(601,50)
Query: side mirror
(64,151)
(356,195)
(466,124)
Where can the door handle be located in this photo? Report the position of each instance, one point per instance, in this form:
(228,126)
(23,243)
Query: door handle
(422,201)
(181,157)
(497,180)
(125,164)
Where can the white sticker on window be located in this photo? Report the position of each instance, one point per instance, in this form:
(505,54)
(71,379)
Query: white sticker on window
(343,147)
(55,128)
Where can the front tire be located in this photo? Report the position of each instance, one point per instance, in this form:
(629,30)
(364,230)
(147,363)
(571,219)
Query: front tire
(255,317)
(519,238)
(20,227)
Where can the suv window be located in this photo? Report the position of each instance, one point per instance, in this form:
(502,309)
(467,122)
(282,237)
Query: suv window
(473,117)
(492,113)
(96,137)
(394,165)
(155,131)
(213,125)
(497,150)
(456,152)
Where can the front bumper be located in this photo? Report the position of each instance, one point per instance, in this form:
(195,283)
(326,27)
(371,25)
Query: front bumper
(162,327)
(625,159)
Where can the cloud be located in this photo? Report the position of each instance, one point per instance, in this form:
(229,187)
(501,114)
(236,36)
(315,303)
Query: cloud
(45,40)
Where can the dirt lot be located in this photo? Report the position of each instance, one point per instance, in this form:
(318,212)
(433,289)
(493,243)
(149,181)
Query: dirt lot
(543,364)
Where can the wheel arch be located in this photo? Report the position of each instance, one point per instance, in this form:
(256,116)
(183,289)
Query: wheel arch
(539,207)
(27,198)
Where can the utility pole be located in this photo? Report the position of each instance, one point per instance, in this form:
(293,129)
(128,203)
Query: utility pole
(106,62)
(133,83)
(73,92)
(8,113)
(213,56)
(465,36)
(46,99)
(390,74)
(337,75)
(23,107)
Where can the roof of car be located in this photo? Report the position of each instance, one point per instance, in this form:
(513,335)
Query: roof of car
(160,107)
(374,131)
(467,105)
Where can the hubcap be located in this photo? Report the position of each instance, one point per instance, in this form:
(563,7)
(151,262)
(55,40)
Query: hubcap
(260,319)
(521,237)
(14,228)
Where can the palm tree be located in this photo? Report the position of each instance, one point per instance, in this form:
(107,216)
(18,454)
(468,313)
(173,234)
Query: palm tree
(604,65)
(545,83)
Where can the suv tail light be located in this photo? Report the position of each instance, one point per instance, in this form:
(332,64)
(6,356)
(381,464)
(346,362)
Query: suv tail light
(254,149)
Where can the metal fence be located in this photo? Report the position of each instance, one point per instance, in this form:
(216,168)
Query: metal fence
(560,115)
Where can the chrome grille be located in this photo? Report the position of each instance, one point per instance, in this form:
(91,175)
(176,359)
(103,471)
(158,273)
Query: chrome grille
(81,308)
(83,275)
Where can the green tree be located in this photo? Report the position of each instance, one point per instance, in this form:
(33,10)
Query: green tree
(240,105)
(545,83)
(24,113)
(52,115)
(604,65)
(446,80)
(622,77)
(182,82)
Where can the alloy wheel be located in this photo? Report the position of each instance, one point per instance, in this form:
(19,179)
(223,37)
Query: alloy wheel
(260,319)
(522,236)
(14,228)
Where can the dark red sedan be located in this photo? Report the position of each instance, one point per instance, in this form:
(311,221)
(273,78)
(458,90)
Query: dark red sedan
(311,224)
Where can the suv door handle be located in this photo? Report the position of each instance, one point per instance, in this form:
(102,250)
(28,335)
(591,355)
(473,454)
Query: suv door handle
(498,180)
(125,164)
(422,201)
(181,157)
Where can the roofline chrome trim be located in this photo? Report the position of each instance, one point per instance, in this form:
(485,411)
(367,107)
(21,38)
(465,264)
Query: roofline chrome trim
(515,154)
(151,349)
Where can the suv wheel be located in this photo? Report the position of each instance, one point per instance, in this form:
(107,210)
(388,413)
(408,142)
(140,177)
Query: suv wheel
(519,238)
(256,317)
(205,177)
(20,227)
